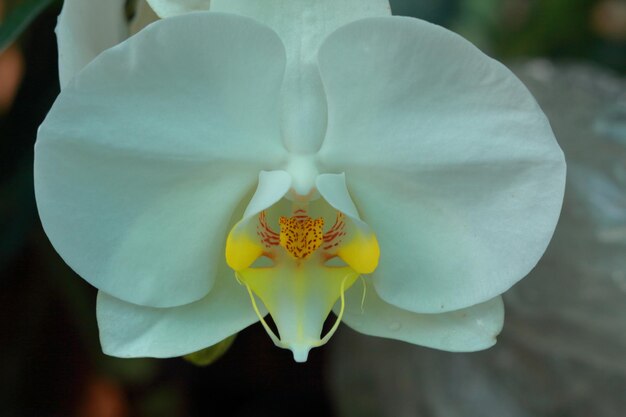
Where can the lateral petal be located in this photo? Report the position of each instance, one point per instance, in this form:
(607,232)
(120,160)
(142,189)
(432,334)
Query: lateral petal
(447,156)
(146,154)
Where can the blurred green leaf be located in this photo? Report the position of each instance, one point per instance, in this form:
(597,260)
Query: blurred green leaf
(165,400)
(19,18)
(209,355)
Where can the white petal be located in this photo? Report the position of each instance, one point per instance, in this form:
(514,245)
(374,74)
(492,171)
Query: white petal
(447,157)
(333,188)
(167,8)
(86,28)
(128,330)
(272,186)
(467,330)
(145,156)
(303,25)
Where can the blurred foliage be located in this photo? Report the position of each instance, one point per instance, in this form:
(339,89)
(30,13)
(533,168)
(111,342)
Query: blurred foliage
(51,363)
(559,29)
(590,30)
(209,355)
(19,16)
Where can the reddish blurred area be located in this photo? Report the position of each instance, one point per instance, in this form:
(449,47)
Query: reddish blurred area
(103,397)
(11,70)
(83,396)
(608,20)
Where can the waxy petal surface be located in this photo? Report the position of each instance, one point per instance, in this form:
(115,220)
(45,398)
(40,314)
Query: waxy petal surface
(129,330)
(86,28)
(466,330)
(302,26)
(147,152)
(447,157)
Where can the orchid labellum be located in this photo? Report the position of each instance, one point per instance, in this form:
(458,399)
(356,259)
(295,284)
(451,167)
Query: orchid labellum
(293,158)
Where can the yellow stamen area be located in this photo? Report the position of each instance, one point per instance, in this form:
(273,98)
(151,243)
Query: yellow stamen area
(241,250)
(361,252)
(301,235)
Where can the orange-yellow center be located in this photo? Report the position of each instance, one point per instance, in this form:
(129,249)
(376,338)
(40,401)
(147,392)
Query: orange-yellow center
(301,235)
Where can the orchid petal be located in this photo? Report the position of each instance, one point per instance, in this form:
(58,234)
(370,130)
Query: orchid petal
(144,157)
(466,330)
(447,157)
(168,8)
(271,188)
(129,330)
(302,26)
(86,28)
(333,188)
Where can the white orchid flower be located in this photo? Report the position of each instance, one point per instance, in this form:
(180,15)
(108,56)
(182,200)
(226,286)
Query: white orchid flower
(264,155)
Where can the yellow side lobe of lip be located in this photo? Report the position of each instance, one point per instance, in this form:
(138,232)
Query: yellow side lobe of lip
(241,249)
(361,252)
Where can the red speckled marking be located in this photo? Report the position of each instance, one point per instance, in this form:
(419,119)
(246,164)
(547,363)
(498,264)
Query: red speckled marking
(301,235)
(333,237)
(268,237)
